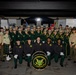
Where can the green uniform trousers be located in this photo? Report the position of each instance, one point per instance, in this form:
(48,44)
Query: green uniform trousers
(56,58)
(20,60)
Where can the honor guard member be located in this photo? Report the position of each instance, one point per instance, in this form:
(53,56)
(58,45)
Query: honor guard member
(44,36)
(72,42)
(33,36)
(55,37)
(59,52)
(25,36)
(34,27)
(38,32)
(42,29)
(6,44)
(16,27)
(14,36)
(61,36)
(46,27)
(22,29)
(48,48)
(38,45)
(18,53)
(10,31)
(50,34)
(28,51)
(28,29)
(20,36)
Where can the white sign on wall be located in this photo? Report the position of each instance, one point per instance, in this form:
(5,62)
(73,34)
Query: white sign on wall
(71,22)
(4,23)
(62,22)
(12,21)
(18,22)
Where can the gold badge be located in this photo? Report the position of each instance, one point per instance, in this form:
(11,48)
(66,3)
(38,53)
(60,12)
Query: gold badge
(40,44)
(20,46)
(50,44)
(30,45)
(61,46)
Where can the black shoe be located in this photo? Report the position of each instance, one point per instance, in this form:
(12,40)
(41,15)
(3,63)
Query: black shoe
(61,65)
(28,64)
(69,59)
(15,67)
(74,61)
(49,64)
(3,60)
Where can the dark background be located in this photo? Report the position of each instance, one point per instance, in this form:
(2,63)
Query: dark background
(36,8)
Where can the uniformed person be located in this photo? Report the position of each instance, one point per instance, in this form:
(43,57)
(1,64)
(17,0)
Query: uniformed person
(25,35)
(42,28)
(48,48)
(33,36)
(28,29)
(6,44)
(1,46)
(18,53)
(59,52)
(72,42)
(44,36)
(20,36)
(55,36)
(28,51)
(50,34)
(38,32)
(61,36)
(38,45)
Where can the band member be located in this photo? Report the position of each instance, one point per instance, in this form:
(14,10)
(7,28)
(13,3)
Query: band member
(28,51)
(18,53)
(72,42)
(59,52)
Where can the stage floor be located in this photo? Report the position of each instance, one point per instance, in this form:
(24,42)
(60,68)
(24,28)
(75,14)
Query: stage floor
(7,68)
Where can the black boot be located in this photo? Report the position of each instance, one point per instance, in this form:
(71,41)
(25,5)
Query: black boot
(15,67)
(28,64)
(49,63)
(61,65)
(74,61)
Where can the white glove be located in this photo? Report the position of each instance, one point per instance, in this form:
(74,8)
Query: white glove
(48,53)
(43,41)
(8,58)
(34,41)
(61,53)
(53,41)
(10,47)
(28,54)
(63,42)
(15,56)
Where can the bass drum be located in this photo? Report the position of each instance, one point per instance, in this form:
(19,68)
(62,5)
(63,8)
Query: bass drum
(39,60)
